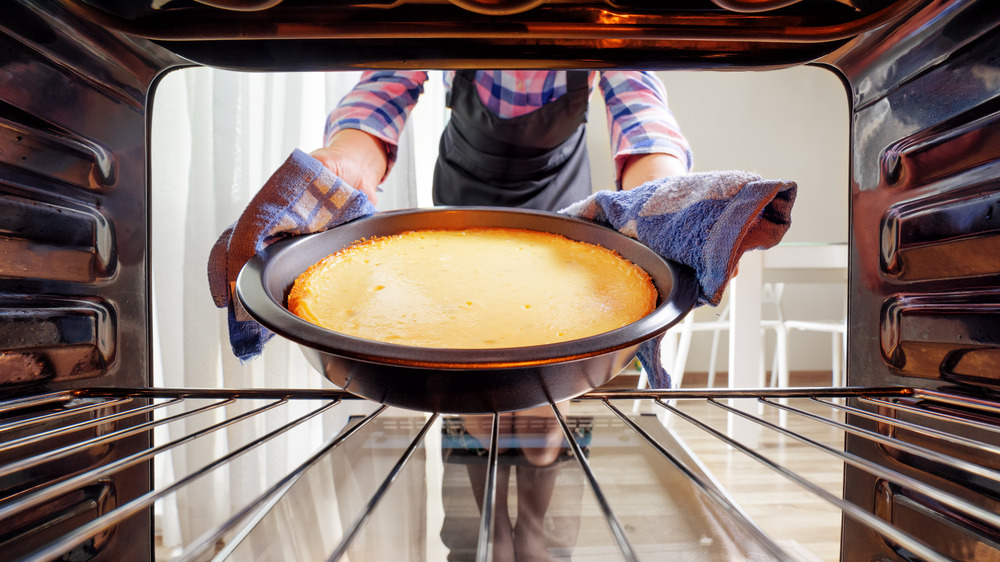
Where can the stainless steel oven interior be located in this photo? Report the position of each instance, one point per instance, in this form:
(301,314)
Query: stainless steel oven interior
(915,430)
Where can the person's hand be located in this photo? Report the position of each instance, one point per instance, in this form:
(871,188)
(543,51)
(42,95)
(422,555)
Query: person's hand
(668,215)
(357,158)
(642,168)
(302,196)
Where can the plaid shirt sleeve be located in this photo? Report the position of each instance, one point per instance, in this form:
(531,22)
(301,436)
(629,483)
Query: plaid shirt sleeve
(639,120)
(378,105)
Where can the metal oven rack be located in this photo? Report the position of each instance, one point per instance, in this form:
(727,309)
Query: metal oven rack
(923,428)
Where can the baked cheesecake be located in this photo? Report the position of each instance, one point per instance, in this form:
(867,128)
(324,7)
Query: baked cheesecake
(473,288)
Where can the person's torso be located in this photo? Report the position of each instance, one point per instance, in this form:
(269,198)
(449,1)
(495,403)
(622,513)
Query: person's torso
(535,160)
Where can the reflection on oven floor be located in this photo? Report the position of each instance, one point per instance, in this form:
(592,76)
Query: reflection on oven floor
(542,512)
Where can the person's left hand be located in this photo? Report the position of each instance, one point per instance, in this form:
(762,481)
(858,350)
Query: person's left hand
(705,221)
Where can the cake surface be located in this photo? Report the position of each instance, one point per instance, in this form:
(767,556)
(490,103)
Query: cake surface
(473,288)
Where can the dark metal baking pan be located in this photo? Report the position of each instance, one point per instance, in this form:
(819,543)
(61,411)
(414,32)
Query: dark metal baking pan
(460,380)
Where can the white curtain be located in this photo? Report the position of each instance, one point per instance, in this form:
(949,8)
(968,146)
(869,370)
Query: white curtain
(216,137)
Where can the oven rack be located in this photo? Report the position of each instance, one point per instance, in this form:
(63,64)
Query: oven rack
(38,431)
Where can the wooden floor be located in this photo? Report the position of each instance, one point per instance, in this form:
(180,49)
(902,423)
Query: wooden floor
(805,525)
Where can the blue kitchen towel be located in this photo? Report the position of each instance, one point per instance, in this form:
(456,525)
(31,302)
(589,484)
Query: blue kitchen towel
(300,197)
(706,221)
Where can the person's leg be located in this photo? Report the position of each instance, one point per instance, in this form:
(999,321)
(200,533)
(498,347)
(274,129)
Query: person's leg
(503,534)
(539,434)
(541,440)
(480,428)
(535,485)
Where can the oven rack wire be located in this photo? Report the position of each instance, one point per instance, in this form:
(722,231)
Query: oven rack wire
(34,431)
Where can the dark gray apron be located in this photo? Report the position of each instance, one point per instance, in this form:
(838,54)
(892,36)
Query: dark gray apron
(537,160)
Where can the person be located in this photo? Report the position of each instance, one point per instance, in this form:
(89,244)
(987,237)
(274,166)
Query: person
(515,138)
(532,453)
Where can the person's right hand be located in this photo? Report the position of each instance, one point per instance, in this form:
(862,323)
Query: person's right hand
(357,158)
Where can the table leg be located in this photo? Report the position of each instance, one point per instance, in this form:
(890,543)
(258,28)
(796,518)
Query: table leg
(744,340)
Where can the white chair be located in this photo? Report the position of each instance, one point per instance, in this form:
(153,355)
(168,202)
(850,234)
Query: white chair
(838,343)
(809,263)
(677,341)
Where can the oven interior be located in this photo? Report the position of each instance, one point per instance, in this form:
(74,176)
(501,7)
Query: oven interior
(84,429)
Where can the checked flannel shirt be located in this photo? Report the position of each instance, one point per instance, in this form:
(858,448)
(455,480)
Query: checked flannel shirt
(639,119)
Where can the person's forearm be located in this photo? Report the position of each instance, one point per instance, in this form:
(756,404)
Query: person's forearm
(641,168)
(379,105)
(638,116)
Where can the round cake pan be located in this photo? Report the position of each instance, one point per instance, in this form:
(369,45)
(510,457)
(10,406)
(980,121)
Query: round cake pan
(461,381)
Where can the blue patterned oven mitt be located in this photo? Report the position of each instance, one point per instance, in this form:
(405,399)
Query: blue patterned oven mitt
(302,196)
(705,221)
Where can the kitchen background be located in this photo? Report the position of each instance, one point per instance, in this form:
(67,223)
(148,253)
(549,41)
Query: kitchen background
(788,124)
(217,136)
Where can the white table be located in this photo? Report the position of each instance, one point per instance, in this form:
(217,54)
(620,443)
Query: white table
(788,263)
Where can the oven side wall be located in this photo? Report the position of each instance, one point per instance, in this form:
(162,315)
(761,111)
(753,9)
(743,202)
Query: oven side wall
(925,250)
(74,267)
(73,211)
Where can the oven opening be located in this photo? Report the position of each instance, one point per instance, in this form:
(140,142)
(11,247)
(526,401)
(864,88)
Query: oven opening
(217,135)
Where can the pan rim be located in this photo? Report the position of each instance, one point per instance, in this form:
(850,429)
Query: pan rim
(255,289)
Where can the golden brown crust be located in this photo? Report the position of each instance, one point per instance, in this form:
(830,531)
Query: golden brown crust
(473,288)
